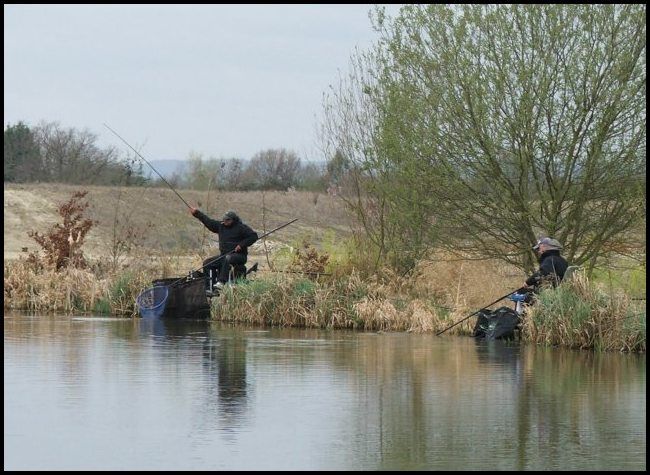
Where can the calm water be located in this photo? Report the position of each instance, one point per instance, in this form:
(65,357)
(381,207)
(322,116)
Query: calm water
(111,394)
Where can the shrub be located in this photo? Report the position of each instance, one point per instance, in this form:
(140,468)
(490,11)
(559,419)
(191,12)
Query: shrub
(62,244)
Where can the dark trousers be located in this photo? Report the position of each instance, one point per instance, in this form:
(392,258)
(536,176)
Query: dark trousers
(221,268)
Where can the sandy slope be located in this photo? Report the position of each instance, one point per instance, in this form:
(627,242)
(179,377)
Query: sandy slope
(162,219)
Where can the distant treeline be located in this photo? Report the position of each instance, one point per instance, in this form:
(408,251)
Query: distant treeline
(272,169)
(49,152)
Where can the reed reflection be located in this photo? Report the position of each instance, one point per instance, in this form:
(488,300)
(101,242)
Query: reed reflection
(510,407)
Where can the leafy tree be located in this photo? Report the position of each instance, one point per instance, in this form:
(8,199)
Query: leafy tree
(495,124)
(49,152)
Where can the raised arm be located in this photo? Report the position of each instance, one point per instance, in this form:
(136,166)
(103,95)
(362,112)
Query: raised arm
(212,224)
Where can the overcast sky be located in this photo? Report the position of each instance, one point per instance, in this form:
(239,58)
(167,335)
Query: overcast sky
(220,80)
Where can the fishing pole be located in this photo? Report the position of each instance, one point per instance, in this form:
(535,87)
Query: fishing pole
(147,162)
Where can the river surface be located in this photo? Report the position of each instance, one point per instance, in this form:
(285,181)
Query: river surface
(92,393)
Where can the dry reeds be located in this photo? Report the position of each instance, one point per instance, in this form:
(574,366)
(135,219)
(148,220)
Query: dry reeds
(578,314)
(340,303)
(39,287)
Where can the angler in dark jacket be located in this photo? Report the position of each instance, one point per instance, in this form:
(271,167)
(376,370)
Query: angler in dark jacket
(552,265)
(234,238)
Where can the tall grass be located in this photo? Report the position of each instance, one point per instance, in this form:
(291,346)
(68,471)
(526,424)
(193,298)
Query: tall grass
(578,314)
(41,288)
(285,300)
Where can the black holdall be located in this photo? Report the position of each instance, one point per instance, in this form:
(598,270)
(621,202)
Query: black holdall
(499,324)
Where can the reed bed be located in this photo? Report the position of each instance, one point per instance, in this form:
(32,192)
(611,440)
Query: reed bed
(281,300)
(578,314)
(34,287)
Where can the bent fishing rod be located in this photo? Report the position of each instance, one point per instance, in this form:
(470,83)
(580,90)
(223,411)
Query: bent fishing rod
(147,162)
(212,261)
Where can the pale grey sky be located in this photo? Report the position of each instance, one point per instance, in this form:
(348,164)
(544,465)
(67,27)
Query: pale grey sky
(220,80)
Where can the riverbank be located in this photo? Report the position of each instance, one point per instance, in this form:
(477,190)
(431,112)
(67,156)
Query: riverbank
(576,315)
(133,242)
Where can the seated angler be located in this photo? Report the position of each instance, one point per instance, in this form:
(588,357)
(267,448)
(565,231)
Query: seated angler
(552,267)
(234,239)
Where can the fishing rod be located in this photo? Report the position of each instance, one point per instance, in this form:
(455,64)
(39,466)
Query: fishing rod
(299,272)
(147,162)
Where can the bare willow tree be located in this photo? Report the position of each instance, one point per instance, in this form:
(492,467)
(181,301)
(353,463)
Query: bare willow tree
(275,169)
(70,155)
(504,122)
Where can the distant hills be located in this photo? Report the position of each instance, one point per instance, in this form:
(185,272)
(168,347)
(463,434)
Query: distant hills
(166,168)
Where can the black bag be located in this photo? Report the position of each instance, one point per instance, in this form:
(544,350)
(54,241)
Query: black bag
(186,298)
(499,324)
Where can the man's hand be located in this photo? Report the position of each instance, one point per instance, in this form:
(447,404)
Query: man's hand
(193,211)
(238,248)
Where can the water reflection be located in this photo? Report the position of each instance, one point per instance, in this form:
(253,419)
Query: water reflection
(498,353)
(225,363)
(199,395)
(222,353)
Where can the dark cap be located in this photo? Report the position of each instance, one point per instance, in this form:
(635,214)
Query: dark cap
(548,242)
(230,214)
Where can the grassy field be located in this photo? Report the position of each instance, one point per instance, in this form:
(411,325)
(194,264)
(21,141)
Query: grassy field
(166,231)
(161,219)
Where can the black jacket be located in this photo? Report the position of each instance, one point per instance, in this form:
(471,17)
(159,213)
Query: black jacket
(229,237)
(552,267)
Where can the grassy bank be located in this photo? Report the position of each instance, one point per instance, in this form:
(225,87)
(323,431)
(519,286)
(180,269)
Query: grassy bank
(578,314)
(575,315)
(124,255)
(344,303)
(35,287)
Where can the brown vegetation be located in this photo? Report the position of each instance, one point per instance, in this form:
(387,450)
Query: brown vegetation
(169,227)
(334,291)
(63,243)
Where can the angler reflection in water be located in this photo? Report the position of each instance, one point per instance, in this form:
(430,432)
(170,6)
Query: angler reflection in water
(177,329)
(497,352)
(222,355)
(153,326)
(225,358)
